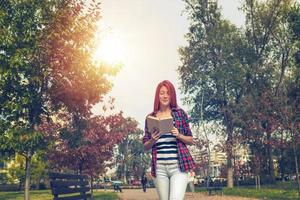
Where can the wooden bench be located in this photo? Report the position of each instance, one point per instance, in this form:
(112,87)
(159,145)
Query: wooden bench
(69,186)
(214,190)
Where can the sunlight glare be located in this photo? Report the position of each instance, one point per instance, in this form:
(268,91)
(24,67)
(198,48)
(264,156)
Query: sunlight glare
(110,50)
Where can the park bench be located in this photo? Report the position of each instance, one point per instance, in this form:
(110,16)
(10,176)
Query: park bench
(214,190)
(69,186)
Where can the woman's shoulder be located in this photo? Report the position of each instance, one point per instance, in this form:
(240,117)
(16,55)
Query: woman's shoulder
(179,110)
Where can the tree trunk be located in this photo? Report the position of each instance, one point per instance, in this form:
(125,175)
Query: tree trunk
(281,165)
(125,168)
(80,167)
(38,183)
(20,184)
(208,167)
(235,176)
(256,182)
(256,169)
(229,159)
(27,175)
(296,167)
(92,191)
(125,162)
(229,175)
(270,158)
(207,139)
(208,151)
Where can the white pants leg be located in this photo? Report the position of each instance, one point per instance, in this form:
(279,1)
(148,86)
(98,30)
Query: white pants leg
(178,183)
(162,182)
(170,182)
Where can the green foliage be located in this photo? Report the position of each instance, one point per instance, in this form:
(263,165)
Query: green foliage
(294,24)
(76,83)
(45,66)
(294,21)
(132,157)
(212,73)
(22,139)
(16,171)
(23,80)
(244,77)
(211,63)
(45,55)
(38,169)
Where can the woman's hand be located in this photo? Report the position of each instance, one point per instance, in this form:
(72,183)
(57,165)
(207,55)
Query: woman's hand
(176,133)
(155,136)
(185,139)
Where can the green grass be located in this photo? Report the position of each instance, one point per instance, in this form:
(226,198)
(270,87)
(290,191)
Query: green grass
(105,195)
(278,191)
(263,193)
(46,195)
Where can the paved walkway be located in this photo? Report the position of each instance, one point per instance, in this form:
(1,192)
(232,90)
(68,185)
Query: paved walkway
(138,194)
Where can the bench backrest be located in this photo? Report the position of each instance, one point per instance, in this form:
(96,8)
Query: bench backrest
(75,186)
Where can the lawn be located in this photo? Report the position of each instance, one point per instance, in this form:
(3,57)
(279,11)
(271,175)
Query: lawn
(46,195)
(278,191)
(264,193)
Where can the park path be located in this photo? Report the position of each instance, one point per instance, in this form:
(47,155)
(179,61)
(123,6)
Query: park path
(138,194)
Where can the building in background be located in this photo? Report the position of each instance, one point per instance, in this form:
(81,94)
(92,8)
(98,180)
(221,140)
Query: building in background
(218,160)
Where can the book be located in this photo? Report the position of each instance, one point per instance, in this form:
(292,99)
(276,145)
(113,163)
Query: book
(163,125)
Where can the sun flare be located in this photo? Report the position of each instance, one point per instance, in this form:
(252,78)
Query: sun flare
(110,50)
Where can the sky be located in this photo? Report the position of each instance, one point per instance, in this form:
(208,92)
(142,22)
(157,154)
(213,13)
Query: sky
(147,36)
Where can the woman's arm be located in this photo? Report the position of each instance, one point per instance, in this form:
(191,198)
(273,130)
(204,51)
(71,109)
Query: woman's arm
(184,138)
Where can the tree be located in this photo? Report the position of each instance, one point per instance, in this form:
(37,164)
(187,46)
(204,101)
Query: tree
(291,114)
(267,35)
(46,66)
(16,171)
(211,67)
(260,127)
(234,67)
(21,78)
(131,157)
(96,148)
(80,82)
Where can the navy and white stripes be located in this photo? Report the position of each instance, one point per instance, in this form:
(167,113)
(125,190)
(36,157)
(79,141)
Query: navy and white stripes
(167,150)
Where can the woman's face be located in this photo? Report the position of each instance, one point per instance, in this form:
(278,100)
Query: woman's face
(164,96)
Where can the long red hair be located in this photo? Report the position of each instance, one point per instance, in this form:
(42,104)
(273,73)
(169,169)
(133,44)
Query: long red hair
(171,91)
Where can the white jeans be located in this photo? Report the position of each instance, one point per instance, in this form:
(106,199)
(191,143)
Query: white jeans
(170,182)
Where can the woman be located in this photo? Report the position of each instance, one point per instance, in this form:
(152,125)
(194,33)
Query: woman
(171,160)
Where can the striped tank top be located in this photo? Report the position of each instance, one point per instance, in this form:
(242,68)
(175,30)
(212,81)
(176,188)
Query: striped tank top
(167,150)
